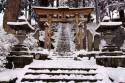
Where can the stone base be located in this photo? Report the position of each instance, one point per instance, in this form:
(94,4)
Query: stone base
(41,56)
(10,81)
(18,61)
(111,61)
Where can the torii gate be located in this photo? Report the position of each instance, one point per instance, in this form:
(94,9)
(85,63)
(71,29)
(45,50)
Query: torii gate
(49,15)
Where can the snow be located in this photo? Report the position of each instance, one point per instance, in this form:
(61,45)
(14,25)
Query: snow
(111,23)
(84,52)
(111,57)
(63,63)
(1,22)
(104,73)
(102,44)
(60,7)
(16,23)
(30,41)
(117,74)
(42,35)
(107,18)
(44,7)
(44,51)
(92,27)
(8,74)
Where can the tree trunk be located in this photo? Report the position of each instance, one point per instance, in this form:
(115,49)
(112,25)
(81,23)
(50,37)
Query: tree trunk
(30,11)
(44,3)
(57,3)
(76,3)
(11,14)
(122,16)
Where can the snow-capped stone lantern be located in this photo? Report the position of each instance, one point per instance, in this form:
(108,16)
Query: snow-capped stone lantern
(21,28)
(107,30)
(20,55)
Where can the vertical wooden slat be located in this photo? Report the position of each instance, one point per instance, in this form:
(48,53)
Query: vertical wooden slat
(77,30)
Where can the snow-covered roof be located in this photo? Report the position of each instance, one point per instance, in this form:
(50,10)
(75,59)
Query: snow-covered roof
(21,23)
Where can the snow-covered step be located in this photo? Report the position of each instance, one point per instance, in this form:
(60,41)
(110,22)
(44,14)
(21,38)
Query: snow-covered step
(60,79)
(62,73)
(60,70)
(85,69)
(46,76)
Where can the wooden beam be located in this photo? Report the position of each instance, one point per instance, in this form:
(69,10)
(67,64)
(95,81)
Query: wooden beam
(48,33)
(62,20)
(60,11)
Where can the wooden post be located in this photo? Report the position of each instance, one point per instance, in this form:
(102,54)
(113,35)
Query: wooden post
(81,35)
(77,30)
(48,33)
(57,3)
(85,41)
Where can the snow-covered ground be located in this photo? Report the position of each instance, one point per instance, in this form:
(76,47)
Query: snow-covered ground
(117,74)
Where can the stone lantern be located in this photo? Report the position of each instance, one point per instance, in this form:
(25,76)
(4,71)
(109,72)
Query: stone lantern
(20,55)
(107,30)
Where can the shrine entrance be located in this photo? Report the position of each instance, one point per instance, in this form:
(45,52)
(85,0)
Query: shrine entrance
(77,16)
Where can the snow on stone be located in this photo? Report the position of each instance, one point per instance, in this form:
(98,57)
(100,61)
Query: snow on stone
(106,18)
(110,57)
(110,23)
(92,27)
(102,44)
(1,22)
(8,74)
(21,23)
(117,74)
(63,63)
(84,52)
(42,35)
(44,51)
(30,41)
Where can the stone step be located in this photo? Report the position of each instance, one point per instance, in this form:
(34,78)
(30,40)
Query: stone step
(85,69)
(60,79)
(60,73)
(49,75)
(17,53)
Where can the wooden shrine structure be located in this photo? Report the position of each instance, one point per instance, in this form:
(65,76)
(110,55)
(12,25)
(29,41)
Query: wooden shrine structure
(77,15)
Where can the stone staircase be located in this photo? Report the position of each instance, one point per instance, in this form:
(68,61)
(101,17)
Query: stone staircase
(62,73)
